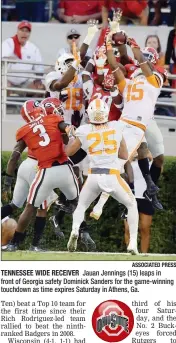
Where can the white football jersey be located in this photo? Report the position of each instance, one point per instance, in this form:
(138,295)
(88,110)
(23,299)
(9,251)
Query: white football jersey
(140,97)
(102,142)
(74,92)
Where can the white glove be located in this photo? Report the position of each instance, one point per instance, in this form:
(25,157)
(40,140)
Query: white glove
(92,30)
(114,26)
(100,59)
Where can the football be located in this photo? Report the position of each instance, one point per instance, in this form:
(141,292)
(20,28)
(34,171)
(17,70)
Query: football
(119,38)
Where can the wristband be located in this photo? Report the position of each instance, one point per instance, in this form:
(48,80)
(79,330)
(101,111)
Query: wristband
(108,46)
(75,65)
(85,72)
(100,71)
(114,93)
(92,61)
(88,40)
(143,63)
(115,70)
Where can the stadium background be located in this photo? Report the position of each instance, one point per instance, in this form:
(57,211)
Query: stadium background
(108,232)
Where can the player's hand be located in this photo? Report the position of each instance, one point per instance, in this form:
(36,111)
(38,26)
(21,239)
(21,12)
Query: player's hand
(70,130)
(131,42)
(92,29)
(114,26)
(100,58)
(109,39)
(6,189)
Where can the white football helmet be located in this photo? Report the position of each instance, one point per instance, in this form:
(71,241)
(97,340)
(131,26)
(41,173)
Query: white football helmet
(98,111)
(64,62)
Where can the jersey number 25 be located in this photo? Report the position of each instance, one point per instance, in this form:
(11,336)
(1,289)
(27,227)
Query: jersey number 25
(109,145)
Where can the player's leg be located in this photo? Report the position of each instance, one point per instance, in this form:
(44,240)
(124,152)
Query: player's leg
(88,194)
(143,163)
(40,220)
(26,174)
(146,212)
(156,147)
(33,202)
(98,208)
(145,223)
(127,233)
(122,193)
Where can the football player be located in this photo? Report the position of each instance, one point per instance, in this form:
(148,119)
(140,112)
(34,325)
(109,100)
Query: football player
(25,175)
(104,144)
(140,94)
(66,82)
(152,134)
(106,90)
(62,205)
(42,135)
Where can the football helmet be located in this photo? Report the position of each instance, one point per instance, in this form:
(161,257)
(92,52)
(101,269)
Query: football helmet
(150,54)
(64,62)
(31,110)
(108,82)
(161,71)
(52,106)
(98,111)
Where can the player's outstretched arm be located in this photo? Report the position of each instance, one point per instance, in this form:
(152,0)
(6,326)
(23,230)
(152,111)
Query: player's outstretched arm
(124,58)
(92,30)
(115,66)
(143,63)
(87,80)
(74,147)
(123,152)
(11,167)
(58,85)
(15,156)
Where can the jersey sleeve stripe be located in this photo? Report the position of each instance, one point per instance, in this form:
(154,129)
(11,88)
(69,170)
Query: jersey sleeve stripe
(75,179)
(154,80)
(34,185)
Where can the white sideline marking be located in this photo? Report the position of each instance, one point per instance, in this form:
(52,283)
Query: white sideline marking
(95,253)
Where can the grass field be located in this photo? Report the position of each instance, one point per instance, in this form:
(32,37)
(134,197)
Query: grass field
(66,256)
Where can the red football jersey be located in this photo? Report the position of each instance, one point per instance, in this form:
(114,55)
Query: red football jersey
(98,92)
(44,140)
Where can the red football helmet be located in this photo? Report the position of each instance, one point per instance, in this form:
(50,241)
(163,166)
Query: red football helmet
(130,69)
(150,54)
(31,110)
(108,82)
(162,71)
(52,106)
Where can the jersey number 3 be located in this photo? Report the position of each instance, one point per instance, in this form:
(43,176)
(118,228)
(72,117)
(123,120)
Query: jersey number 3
(42,133)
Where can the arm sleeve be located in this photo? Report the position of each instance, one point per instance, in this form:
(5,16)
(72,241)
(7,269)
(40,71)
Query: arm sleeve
(121,85)
(20,134)
(52,76)
(80,134)
(7,48)
(155,80)
(88,87)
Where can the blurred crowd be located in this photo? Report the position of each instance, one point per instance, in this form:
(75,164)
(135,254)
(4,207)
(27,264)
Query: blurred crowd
(78,11)
(142,12)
